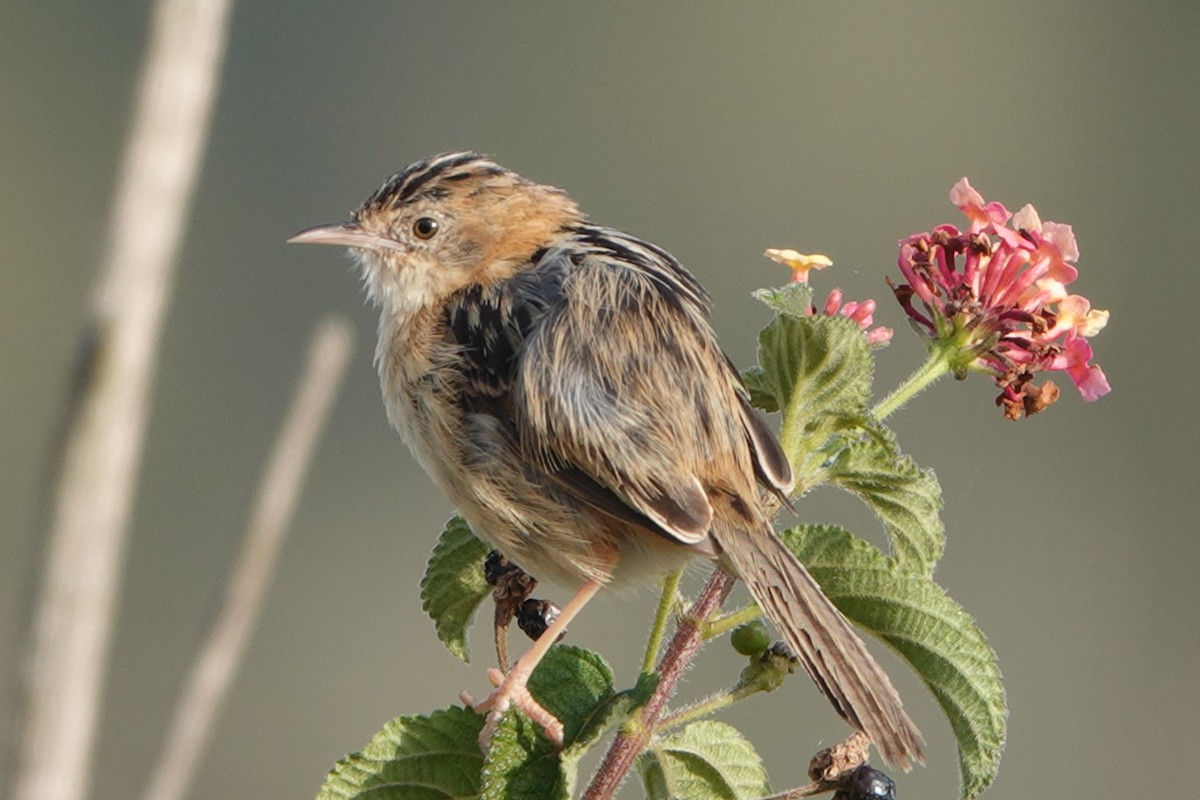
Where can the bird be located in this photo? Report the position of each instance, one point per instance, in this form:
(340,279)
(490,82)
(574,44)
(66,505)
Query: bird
(562,382)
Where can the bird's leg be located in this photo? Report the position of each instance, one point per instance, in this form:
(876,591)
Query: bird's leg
(510,689)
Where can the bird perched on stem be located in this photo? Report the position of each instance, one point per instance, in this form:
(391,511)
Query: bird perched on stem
(562,383)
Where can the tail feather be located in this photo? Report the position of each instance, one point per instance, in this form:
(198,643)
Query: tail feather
(832,653)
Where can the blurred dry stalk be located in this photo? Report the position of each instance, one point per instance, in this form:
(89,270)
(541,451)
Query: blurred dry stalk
(74,614)
(215,667)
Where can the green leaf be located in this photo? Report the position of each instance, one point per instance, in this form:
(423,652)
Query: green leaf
(817,372)
(705,759)
(454,585)
(608,714)
(521,762)
(792,299)
(430,757)
(761,391)
(575,685)
(906,498)
(914,615)
(816,366)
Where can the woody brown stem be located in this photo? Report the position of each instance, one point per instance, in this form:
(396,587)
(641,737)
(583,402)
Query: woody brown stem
(684,646)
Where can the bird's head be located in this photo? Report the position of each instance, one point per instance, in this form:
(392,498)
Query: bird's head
(444,223)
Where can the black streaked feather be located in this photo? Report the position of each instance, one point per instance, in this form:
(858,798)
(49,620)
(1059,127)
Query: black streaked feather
(407,185)
(490,324)
(656,264)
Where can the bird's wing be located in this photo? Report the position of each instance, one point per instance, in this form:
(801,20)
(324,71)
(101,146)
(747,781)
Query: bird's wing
(621,392)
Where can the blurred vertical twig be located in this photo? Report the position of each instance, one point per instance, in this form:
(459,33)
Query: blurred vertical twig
(74,612)
(214,668)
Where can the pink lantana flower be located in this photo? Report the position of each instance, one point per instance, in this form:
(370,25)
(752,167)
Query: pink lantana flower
(862,313)
(993,298)
(970,202)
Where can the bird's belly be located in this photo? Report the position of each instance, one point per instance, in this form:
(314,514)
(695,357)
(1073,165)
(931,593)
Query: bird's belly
(517,509)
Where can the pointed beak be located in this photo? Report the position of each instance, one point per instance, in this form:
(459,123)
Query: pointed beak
(346,234)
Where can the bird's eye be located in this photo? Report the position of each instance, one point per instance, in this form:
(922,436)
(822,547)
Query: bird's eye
(425,227)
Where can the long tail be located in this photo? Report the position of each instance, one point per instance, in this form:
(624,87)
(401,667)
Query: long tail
(832,653)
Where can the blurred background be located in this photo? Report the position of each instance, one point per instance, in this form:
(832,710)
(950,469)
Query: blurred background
(715,131)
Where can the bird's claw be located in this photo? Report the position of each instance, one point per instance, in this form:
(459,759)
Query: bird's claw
(511,692)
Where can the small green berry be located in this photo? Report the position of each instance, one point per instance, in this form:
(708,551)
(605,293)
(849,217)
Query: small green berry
(751,638)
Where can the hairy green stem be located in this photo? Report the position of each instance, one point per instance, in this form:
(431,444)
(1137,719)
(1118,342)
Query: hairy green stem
(709,705)
(937,365)
(665,604)
(789,432)
(728,622)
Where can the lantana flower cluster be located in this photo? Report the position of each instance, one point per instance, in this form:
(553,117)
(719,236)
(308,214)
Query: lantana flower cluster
(993,298)
(863,313)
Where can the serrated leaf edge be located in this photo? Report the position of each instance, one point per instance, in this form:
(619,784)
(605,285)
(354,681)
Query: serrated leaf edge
(978,766)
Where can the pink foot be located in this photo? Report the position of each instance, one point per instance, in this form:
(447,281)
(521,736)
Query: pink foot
(510,691)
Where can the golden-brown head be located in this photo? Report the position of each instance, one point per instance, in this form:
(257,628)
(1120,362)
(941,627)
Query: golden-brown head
(444,223)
